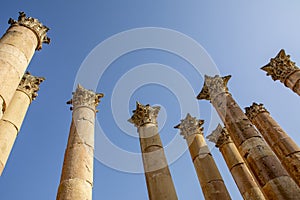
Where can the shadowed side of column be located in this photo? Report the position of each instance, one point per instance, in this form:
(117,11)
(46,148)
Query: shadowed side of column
(242,176)
(263,163)
(283,146)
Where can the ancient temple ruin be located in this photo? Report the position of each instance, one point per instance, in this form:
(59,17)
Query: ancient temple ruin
(263,160)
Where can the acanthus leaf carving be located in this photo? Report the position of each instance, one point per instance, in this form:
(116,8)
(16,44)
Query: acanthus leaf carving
(280,67)
(30,85)
(84,97)
(144,114)
(213,86)
(190,126)
(254,110)
(33,24)
(219,136)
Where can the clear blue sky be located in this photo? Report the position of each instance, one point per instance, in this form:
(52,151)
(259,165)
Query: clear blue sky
(239,36)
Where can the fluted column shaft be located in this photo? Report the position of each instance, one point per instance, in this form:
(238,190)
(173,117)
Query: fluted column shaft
(264,164)
(284,147)
(17,47)
(242,176)
(76,181)
(211,181)
(158,177)
(11,122)
(283,69)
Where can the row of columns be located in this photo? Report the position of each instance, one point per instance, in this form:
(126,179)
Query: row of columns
(264,164)
(271,176)
(17,90)
(283,146)
(240,172)
(17,47)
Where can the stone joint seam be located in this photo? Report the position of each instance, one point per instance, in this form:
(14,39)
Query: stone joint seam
(77,107)
(28,95)
(11,124)
(237,164)
(148,147)
(289,74)
(91,184)
(202,155)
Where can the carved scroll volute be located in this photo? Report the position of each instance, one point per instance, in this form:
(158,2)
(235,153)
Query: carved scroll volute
(190,126)
(33,24)
(30,85)
(254,110)
(144,114)
(85,98)
(219,136)
(213,86)
(280,67)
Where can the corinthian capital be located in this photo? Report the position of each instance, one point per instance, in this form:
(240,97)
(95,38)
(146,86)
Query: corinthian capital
(280,67)
(190,126)
(33,24)
(85,98)
(213,86)
(254,110)
(30,85)
(219,136)
(144,114)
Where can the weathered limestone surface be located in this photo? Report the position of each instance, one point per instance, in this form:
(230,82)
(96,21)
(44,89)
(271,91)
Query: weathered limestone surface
(262,161)
(210,179)
(283,69)
(17,47)
(11,122)
(284,147)
(158,177)
(77,173)
(243,178)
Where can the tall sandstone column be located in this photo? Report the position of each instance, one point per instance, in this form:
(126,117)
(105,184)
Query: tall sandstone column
(76,181)
(283,69)
(283,146)
(158,177)
(210,179)
(11,122)
(264,164)
(17,47)
(242,176)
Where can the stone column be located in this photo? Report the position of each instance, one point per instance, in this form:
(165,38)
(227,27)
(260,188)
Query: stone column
(210,179)
(76,181)
(13,117)
(158,177)
(283,146)
(17,47)
(264,164)
(242,176)
(283,69)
